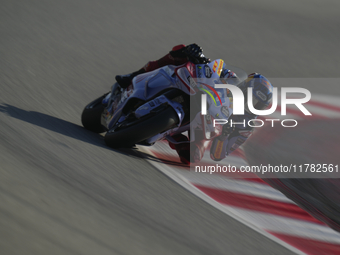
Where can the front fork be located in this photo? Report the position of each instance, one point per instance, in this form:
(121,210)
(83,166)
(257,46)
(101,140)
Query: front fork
(115,90)
(108,101)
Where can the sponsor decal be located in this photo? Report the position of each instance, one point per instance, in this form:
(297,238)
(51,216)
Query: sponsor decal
(218,149)
(225,111)
(261,95)
(214,91)
(220,67)
(191,81)
(215,66)
(207,71)
(199,72)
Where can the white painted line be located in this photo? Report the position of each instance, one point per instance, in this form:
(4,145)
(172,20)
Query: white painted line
(234,185)
(288,226)
(323,111)
(183,182)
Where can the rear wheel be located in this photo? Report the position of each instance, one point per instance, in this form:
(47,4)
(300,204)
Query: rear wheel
(138,130)
(91,116)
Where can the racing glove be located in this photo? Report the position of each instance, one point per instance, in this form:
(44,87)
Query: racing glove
(218,149)
(227,130)
(192,52)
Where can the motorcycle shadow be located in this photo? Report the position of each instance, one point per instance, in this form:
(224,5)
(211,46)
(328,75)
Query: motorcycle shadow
(164,160)
(73,130)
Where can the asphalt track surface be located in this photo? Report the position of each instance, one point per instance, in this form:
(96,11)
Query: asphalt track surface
(62,191)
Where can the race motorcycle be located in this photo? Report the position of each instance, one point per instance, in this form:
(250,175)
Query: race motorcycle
(157,105)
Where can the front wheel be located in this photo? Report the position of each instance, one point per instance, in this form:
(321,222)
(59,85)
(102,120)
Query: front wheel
(139,130)
(91,116)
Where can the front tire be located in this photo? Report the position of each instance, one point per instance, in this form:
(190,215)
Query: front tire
(91,116)
(143,129)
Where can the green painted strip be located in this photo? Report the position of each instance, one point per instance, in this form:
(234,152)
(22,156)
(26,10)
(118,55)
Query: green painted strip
(209,95)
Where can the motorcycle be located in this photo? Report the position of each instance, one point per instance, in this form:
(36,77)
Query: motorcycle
(156,106)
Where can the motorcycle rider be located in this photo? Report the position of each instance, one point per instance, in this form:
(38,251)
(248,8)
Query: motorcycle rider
(231,136)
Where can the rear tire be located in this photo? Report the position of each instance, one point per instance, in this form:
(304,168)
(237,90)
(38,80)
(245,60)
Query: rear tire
(146,128)
(91,116)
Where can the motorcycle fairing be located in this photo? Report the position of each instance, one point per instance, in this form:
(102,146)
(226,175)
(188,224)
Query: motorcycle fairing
(147,108)
(144,88)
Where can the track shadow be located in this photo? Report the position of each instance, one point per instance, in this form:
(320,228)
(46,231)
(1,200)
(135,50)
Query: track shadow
(163,160)
(74,131)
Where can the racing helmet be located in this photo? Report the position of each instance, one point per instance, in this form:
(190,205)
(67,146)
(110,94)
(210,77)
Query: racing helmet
(227,74)
(262,91)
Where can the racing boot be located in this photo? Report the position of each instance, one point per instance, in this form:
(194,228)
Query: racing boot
(178,138)
(183,149)
(196,151)
(188,152)
(125,80)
